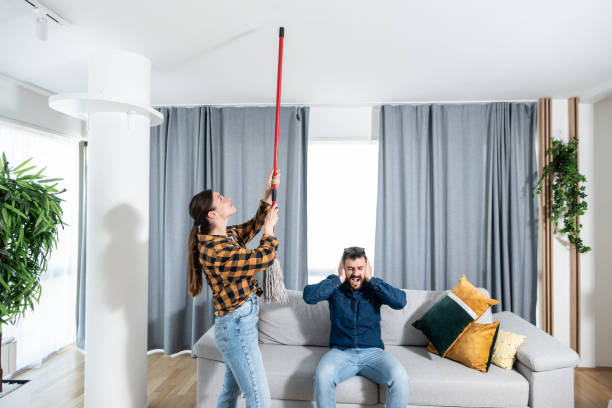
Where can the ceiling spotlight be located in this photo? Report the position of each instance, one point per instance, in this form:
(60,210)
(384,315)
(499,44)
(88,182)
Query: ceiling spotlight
(42,27)
(44,17)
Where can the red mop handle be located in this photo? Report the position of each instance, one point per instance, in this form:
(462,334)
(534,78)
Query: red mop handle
(281,37)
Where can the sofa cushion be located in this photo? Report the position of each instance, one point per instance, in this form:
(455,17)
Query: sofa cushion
(435,381)
(295,322)
(396,325)
(504,353)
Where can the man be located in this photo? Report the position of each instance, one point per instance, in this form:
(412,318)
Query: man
(355,298)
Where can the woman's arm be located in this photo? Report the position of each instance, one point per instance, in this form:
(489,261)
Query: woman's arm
(235,261)
(243,233)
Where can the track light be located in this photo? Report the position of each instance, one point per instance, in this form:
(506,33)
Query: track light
(44,17)
(42,26)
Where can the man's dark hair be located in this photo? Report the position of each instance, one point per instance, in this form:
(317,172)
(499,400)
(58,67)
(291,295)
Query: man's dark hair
(353,253)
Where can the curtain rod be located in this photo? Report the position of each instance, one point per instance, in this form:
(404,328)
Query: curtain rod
(337,105)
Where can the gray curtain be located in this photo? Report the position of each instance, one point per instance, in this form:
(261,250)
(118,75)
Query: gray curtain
(455,197)
(81,271)
(229,150)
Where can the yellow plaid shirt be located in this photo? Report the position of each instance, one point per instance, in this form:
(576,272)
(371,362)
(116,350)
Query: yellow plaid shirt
(229,267)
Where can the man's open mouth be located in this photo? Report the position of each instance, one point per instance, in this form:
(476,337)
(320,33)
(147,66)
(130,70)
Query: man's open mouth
(355,279)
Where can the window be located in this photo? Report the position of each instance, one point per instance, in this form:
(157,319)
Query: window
(51,325)
(342,189)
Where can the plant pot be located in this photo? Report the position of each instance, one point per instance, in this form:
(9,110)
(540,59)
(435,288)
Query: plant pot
(16,397)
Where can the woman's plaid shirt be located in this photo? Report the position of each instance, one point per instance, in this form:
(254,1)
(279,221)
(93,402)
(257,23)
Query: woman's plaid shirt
(229,267)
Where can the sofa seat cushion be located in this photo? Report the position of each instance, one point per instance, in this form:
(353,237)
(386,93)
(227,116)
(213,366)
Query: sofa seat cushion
(435,381)
(290,371)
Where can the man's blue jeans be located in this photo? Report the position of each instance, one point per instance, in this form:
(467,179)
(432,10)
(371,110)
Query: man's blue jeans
(236,338)
(373,363)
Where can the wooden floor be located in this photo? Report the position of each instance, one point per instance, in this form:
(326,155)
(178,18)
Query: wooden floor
(593,387)
(59,381)
(171,382)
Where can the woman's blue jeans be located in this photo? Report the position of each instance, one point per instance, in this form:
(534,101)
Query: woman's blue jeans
(376,364)
(236,338)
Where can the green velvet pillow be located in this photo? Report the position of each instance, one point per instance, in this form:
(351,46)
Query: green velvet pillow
(447,319)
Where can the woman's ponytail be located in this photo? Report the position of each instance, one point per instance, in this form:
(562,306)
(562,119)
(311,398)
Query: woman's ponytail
(199,207)
(193,263)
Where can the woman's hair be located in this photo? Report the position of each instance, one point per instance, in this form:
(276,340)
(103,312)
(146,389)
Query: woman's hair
(199,207)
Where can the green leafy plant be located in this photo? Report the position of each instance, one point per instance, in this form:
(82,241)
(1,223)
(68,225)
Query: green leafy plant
(568,192)
(30,215)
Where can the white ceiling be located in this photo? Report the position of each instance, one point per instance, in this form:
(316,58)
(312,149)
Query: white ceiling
(336,52)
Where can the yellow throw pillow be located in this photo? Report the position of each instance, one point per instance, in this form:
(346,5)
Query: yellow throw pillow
(471,296)
(504,353)
(474,348)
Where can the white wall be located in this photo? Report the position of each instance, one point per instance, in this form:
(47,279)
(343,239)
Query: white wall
(602,238)
(561,269)
(595,128)
(588,306)
(25,105)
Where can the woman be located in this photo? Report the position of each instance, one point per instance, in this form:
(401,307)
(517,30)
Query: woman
(219,250)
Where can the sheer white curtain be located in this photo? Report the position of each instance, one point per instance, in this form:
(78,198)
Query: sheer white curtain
(51,325)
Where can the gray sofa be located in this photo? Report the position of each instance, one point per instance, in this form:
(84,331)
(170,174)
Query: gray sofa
(293,338)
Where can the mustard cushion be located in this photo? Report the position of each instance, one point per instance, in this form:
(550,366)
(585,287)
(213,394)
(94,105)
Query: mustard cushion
(447,319)
(475,347)
(504,353)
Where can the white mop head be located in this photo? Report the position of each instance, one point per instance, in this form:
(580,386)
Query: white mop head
(274,285)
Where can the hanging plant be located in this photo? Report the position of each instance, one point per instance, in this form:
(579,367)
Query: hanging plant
(568,192)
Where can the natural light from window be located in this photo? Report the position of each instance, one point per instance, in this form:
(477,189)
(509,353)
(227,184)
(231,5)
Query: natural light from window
(51,325)
(342,188)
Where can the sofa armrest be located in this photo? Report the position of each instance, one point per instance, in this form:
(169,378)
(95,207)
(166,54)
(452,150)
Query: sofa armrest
(540,351)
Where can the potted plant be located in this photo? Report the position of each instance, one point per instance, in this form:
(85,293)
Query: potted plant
(30,215)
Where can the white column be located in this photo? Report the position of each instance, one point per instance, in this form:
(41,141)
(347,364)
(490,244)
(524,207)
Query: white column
(117,236)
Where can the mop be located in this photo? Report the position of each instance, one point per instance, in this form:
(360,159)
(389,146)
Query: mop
(274,286)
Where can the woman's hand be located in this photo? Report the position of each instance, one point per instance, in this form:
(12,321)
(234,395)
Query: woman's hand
(341,271)
(271,220)
(273,179)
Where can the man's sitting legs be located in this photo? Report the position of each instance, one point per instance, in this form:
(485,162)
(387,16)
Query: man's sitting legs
(335,366)
(375,364)
(384,369)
